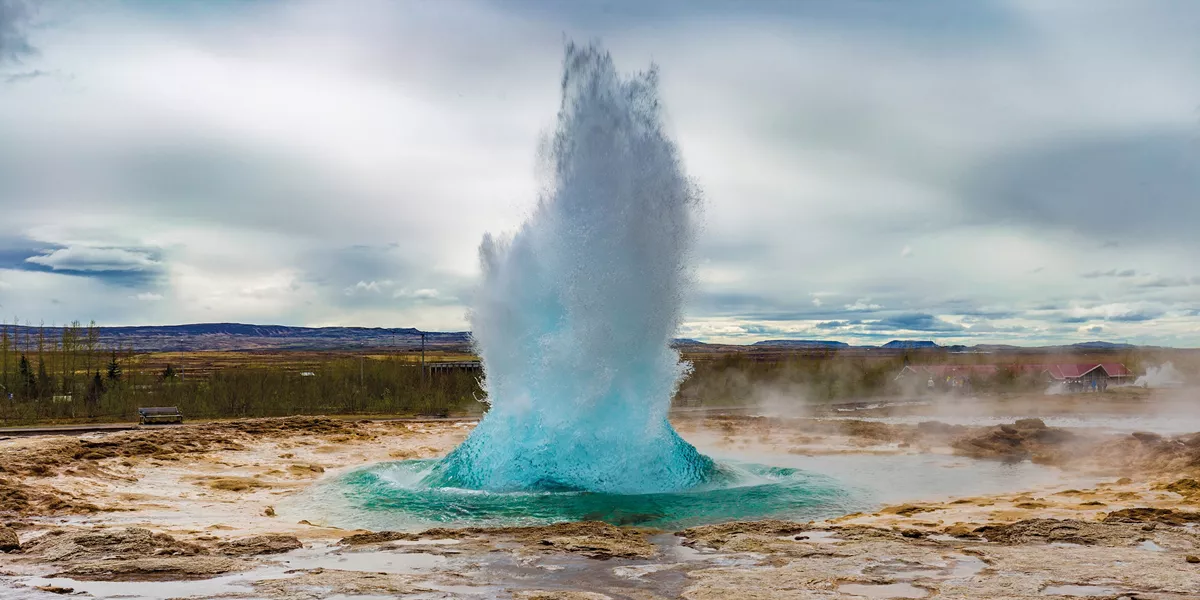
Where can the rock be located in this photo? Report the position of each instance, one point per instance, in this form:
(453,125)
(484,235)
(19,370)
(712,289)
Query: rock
(378,537)
(1165,516)
(54,589)
(1124,481)
(960,530)
(269,511)
(61,545)
(155,569)
(1192,559)
(1146,437)
(1070,531)
(1025,439)
(8,540)
(716,536)
(1184,487)
(259,544)
(906,510)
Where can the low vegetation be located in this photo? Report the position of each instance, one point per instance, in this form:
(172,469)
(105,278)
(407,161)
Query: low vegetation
(73,378)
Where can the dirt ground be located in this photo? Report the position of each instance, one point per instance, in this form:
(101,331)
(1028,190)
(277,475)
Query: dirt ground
(190,512)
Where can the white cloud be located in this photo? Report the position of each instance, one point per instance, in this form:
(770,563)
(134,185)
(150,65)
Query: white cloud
(82,258)
(862,305)
(421,294)
(147,297)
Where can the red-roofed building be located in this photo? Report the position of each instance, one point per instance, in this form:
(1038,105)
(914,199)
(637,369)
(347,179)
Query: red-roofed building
(1088,377)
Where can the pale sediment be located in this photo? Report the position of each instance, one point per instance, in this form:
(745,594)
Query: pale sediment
(197,503)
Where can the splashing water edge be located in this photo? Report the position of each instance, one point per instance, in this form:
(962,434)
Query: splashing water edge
(576,311)
(395,496)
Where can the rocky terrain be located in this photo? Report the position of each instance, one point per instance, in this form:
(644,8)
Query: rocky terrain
(197,511)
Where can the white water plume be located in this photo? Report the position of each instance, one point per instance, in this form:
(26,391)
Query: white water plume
(576,312)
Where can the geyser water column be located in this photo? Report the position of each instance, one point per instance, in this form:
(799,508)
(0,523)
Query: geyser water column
(573,320)
(576,311)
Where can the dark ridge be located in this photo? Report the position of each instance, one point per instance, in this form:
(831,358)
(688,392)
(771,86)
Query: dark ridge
(910,345)
(239,336)
(802,344)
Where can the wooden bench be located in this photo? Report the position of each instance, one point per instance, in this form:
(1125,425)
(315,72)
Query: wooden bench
(159,414)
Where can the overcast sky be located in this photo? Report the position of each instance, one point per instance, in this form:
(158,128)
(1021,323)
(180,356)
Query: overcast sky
(1010,171)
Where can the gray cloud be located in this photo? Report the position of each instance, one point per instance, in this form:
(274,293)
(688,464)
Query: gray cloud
(1109,273)
(26,76)
(913,18)
(342,169)
(1168,282)
(1138,187)
(14,18)
(1136,317)
(915,322)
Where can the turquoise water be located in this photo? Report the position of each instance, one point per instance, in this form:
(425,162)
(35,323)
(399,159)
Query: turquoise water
(396,495)
(575,312)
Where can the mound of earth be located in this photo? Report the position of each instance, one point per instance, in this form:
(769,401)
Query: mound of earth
(592,539)
(1146,453)
(1024,439)
(74,454)
(259,544)
(62,545)
(1109,532)
(19,498)
(1165,516)
(717,536)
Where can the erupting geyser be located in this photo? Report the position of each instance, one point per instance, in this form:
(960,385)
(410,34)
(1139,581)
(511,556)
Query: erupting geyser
(574,320)
(575,315)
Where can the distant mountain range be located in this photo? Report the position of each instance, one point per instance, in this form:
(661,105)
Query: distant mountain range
(238,336)
(928,345)
(801,344)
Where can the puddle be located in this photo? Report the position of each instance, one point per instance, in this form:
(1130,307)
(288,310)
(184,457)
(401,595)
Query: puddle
(816,537)
(891,590)
(1151,546)
(377,561)
(967,566)
(899,569)
(895,479)
(639,571)
(446,542)
(1079,590)
(318,557)
(151,590)
(458,590)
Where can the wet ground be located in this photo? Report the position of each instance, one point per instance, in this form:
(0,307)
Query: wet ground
(1026,510)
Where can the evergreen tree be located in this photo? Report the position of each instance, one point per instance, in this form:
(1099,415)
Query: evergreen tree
(45,386)
(169,372)
(114,369)
(94,392)
(28,381)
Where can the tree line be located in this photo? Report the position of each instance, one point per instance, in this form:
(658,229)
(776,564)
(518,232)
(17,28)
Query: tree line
(73,376)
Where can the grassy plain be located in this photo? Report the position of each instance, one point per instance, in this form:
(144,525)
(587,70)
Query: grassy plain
(262,383)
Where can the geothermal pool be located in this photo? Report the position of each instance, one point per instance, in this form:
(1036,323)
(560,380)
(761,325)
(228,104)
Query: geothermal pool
(392,495)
